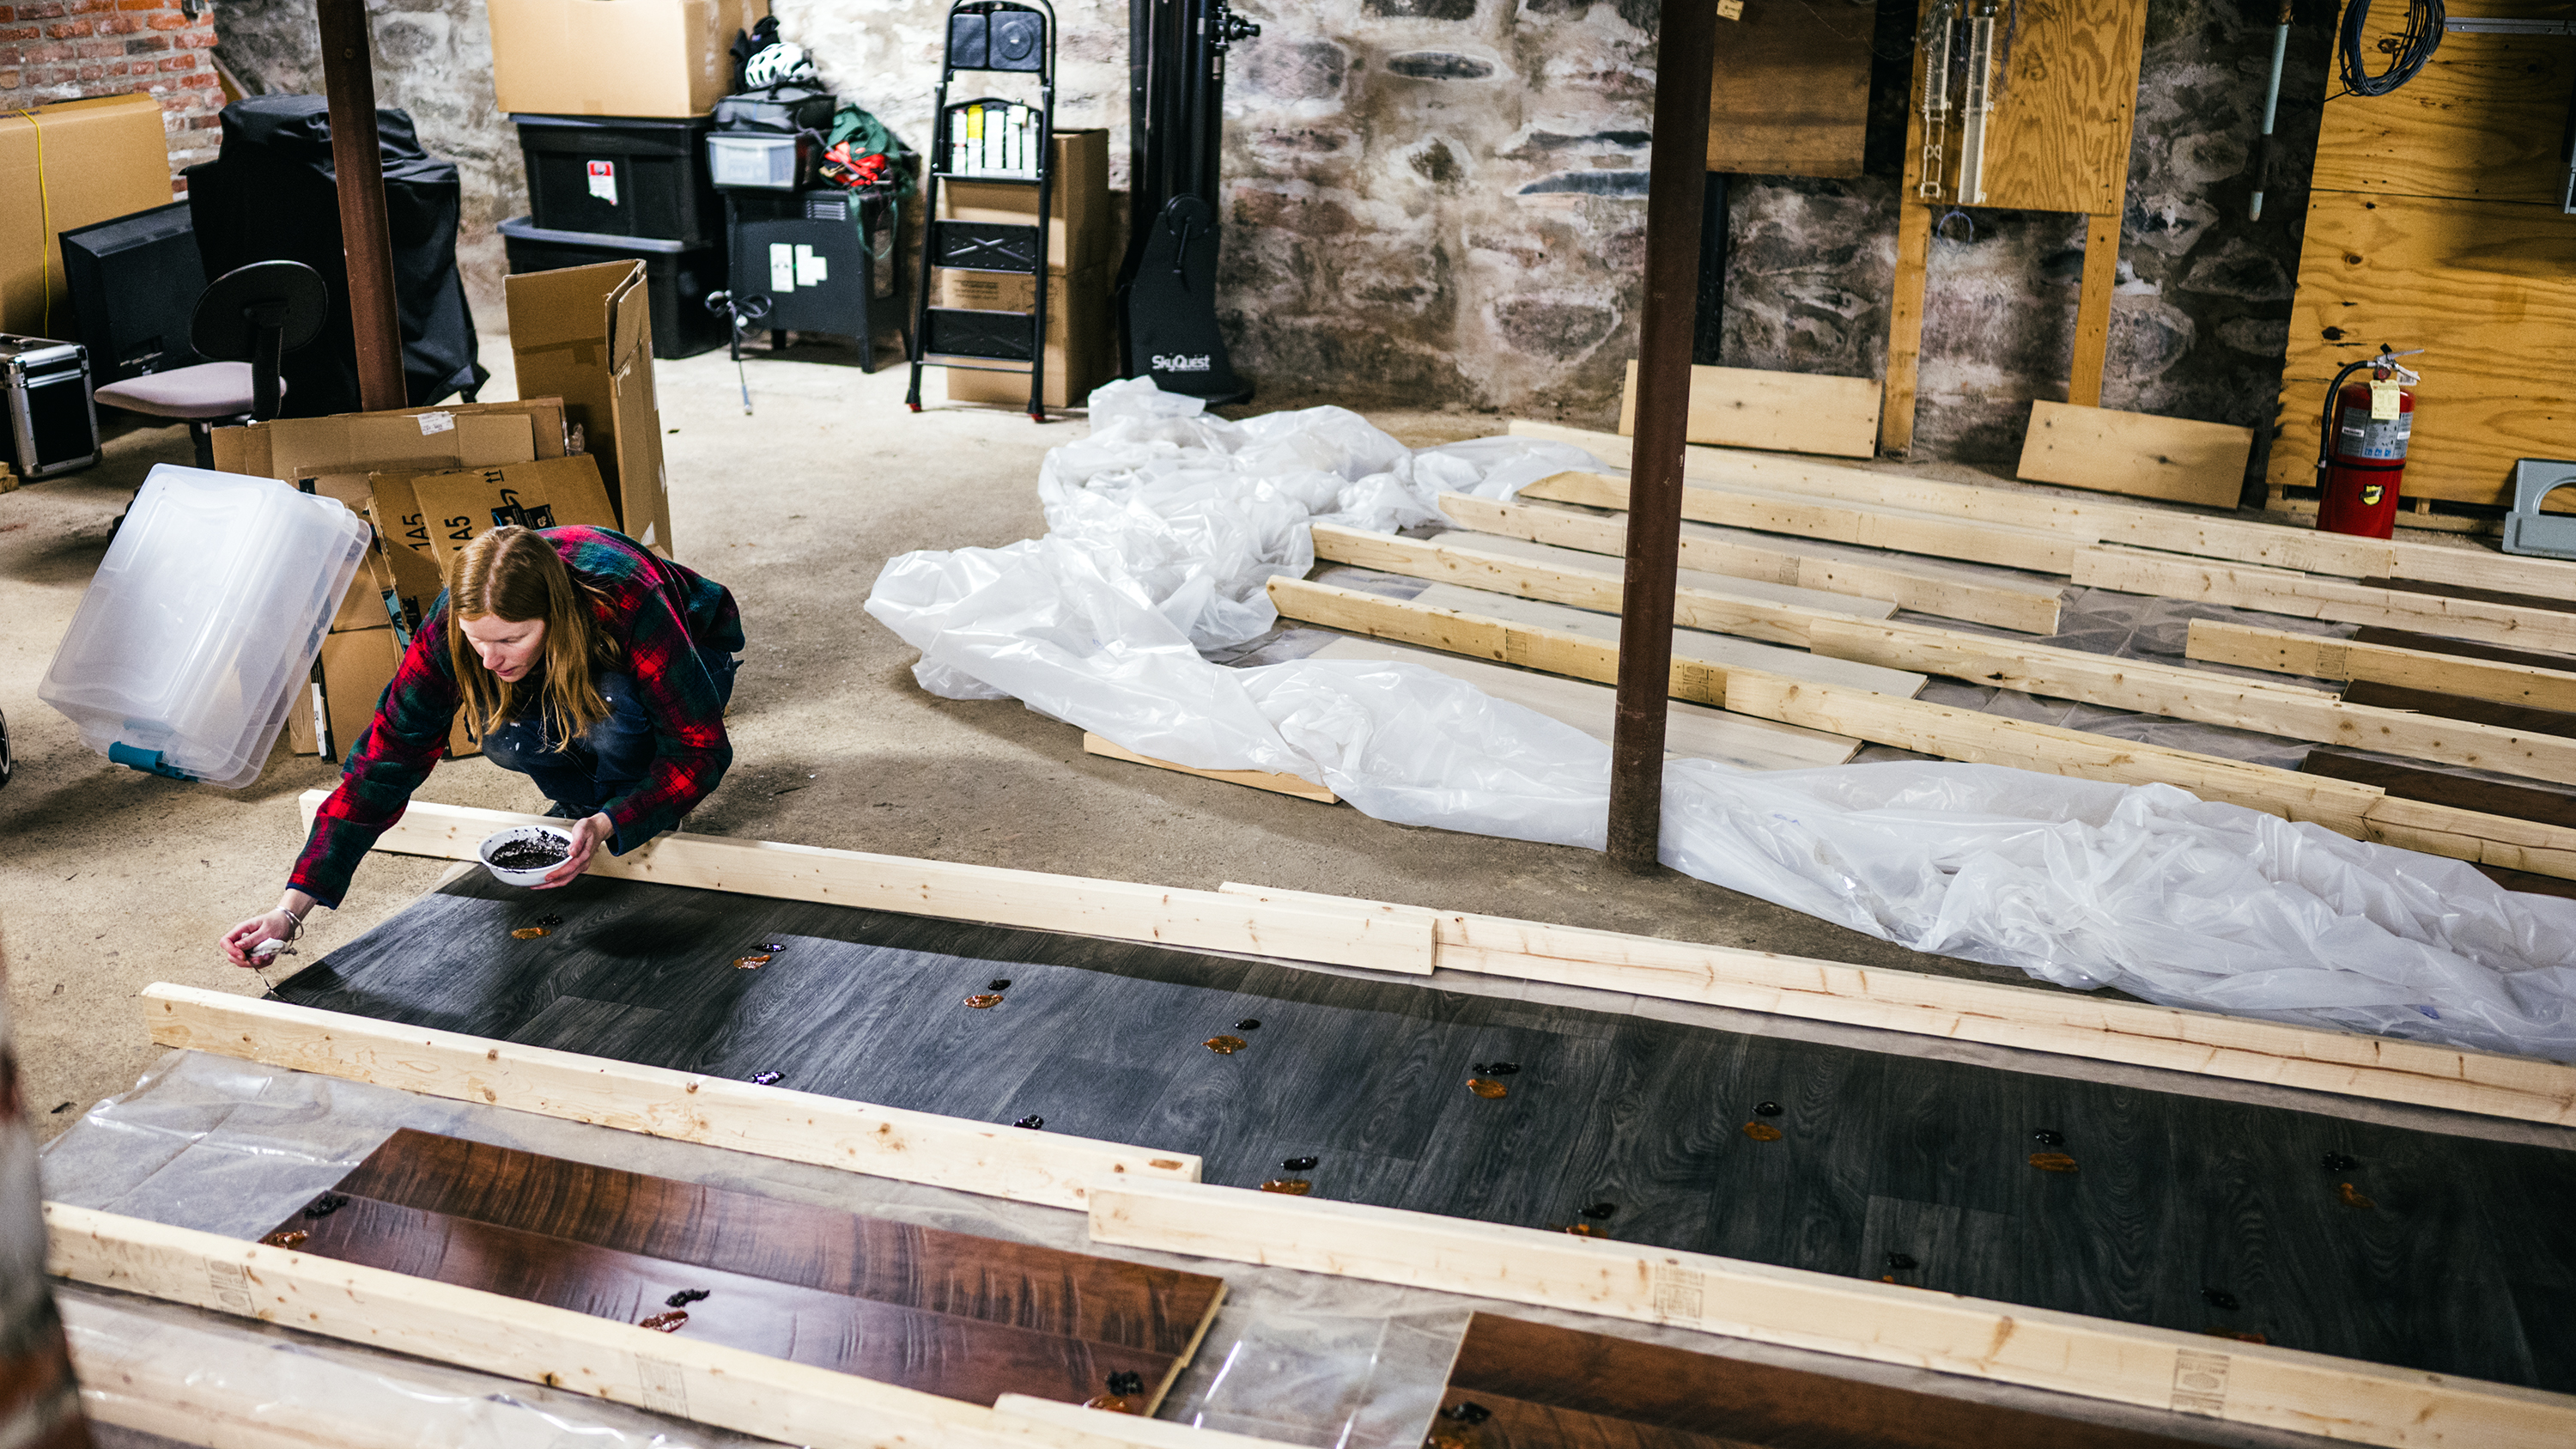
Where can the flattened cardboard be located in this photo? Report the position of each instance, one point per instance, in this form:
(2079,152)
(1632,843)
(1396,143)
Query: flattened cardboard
(402,536)
(252,449)
(103,158)
(1078,235)
(458,507)
(585,335)
(616,57)
(357,664)
(363,607)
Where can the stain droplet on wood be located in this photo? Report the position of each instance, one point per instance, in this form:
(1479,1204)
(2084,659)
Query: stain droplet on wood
(2220,1299)
(1226,1046)
(665,1322)
(685,1297)
(1249,1023)
(998,983)
(2052,1162)
(1762,1132)
(1126,1381)
(1112,1403)
(773,947)
(1466,1413)
(528,933)
(1501,1069)
(1766,1109)
(287,1238)
(549,920)
(984,1000)
(1033,1122)
(1601,1210)
(325,1205)
(749,963)
(1901,1263)
(2232,1333)
(2049,1137)
(1581,1230)
(2352,1196)
(1288,1186)
(766,1079)
(2338,1162)
(1298,1164)
(1487,1088)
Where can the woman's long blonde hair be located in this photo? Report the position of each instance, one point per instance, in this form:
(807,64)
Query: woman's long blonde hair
(514,574)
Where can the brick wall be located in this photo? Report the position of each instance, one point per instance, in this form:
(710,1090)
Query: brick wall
(52,50)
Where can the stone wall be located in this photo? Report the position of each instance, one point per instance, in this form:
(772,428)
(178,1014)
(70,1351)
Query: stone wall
(1442,201)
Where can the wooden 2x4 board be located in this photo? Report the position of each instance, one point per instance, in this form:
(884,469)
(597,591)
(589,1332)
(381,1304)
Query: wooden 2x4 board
(1786,412)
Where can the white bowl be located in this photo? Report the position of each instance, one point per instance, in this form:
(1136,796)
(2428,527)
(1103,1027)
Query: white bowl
(500,838)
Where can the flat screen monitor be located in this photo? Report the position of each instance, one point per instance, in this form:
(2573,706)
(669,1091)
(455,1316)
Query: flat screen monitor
(134,283)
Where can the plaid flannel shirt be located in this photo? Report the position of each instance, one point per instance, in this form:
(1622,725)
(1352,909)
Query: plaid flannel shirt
(659,613)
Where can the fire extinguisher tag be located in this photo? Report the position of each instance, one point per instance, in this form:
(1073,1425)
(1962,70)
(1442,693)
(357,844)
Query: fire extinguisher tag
(2383,399)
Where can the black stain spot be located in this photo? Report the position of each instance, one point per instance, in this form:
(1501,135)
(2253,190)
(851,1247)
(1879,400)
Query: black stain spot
(1467,1413)
(685,1297)
(766,1079)
(998,983)
(1901,1263)
(1249,1023)
(1033,1122)
(1600,1210)
(2338,1162)
(2220,1299)
(1298,1164)
(2049,1137)
(1439,65)
(1766,1109)
(325,1205)
(1126,1381)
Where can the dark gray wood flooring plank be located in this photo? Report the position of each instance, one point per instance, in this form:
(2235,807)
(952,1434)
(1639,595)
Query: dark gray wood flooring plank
(2464,1263)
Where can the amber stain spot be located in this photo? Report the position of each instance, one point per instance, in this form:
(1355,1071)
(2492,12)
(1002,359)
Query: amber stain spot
(1487,1088)
(2052,1162)
(984,1000)
(528,933)
(1762,1132)
(1168,1164)
(2352,1196)
(1113,1403)
(287,1238)
(1288,1186)
(665,1322)
(1225,1046)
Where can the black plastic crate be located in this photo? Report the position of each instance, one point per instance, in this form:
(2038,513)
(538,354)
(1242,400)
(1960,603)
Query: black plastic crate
(622,176)
(987,246)
(958,332)
(680,277)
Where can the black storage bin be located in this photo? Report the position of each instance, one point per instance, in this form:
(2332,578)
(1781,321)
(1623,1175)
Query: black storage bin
(680,277)
(622,176)
(784,110)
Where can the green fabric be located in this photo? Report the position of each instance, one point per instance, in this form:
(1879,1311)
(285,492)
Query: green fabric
(868,136)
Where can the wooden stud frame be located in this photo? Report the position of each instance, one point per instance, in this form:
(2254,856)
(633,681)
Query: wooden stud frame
(2062,1352)
(1051,1169)
(560,1348)
(1118,910)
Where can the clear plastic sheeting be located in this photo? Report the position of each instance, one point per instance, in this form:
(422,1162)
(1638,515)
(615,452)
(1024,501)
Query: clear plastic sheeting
(1168,524)
(235,1148)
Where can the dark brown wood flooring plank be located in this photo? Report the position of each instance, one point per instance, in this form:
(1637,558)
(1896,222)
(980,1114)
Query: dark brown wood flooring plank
(958,1358)
(2517,717)
(1038,1288)
(2416,782)
(1505,1422)
(1737,1400)
(2461,648)
(2483,596)
(1882,1151)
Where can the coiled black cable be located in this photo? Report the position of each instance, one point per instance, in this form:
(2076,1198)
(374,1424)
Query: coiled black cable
(2408,50)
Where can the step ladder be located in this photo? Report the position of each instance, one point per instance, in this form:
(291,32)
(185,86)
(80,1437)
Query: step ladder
(990,141)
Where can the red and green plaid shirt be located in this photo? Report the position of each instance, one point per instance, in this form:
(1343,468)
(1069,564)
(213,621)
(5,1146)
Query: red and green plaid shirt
(658,613)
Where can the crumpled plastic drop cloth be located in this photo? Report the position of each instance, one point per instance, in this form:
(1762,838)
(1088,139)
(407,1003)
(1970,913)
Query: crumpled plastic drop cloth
(1166,524)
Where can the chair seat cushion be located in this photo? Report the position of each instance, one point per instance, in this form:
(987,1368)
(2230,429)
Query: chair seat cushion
(207,390)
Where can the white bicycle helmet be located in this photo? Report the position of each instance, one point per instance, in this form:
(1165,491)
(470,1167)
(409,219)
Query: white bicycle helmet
(780,64)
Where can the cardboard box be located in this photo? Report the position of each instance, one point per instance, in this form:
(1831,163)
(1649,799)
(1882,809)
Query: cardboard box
(348,444)
(616,57)
(363,607)
(424,520)
(103,158)
(1078,235)
(1080,346)
(585,335)
(357,664)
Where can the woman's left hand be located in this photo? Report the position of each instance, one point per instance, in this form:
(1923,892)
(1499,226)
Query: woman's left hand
(588,834)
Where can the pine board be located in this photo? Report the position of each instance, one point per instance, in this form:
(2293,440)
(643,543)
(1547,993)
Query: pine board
(1776,590)
(1787,412)
(2462,1266)
(1723,650)
(2174,459)
(1691,731)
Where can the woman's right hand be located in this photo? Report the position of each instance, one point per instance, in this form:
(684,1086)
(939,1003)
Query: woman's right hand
(285,923)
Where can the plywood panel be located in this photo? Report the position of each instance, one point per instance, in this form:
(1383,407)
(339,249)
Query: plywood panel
(2174,459)
(2481,121)
(1791,91)
(1784,412)
(2057,138)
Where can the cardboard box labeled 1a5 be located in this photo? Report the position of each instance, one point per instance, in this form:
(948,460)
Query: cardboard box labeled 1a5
(616,57)
(62,166)
(1078,235)
(426,519)
(1078,340)
(585,335)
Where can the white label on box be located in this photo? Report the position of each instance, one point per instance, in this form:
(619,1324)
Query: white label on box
(437,423)
(782,267)
(811,270)
(603,181)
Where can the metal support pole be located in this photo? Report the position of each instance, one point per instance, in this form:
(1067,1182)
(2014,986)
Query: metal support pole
(349,80)
(1685,54)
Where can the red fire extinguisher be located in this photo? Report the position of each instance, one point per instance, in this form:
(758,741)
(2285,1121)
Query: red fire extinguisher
(2362,457)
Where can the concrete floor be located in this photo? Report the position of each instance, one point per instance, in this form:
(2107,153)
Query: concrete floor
(111,880)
